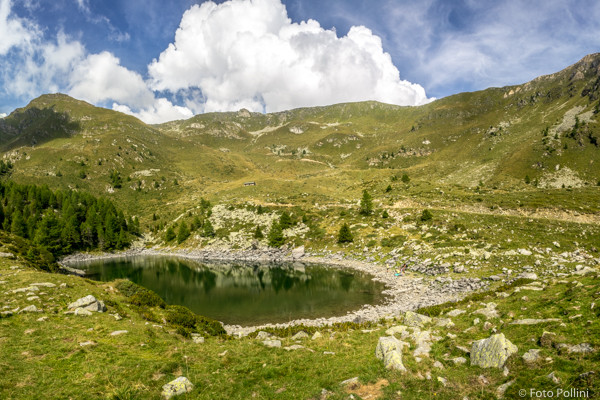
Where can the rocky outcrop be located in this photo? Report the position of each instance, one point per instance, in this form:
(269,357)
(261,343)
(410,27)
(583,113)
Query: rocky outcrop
(492,352)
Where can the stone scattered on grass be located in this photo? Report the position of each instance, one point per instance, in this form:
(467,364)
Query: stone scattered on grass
(316,336)
(532,356)
(502,389)
(44,284)
(31,308)
(583,348)
(262,335)
(117,333)
(196,338)
(177,387)
(531,321)
(82,311)
(89,303)
(293,347)
(492,352)
(88,343)
(395,329)
(300,335)
(389,349)
(414,319)
(272,343)
(455,313)
(459,360)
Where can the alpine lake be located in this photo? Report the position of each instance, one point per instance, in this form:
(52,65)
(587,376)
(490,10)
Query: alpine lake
(246,294)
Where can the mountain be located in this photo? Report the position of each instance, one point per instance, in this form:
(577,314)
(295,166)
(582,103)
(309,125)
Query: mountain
(545,132)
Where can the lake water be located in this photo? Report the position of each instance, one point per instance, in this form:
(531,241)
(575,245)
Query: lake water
(244,294)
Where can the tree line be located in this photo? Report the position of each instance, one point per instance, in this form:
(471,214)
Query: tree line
(63,221)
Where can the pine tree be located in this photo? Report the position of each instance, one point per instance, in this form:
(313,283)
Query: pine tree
(345,235)
(183,233)
(366,204)
(285,221)
(169,234)
(18,226)
(385,214)
(258,233)
(405,178)
(388,189)
(275,236)
(207,229)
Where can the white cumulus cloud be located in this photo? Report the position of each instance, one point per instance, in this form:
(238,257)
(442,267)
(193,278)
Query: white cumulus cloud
(248,53)
(100,77)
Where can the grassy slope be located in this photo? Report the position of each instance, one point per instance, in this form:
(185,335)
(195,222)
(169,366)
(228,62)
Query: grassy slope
(492,137)
(47,354)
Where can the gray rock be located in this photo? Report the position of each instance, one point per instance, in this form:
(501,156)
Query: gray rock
(177,387)
(584,348)
(300,335)
(351,381)
(393,360)
(293,347)
(528,275)
(82,311)
(89,303)
(492,352)
(395,329)
(459,360)
(455,313)
(532,356)
(502,389)
(317,335)
(272,343)
(88,343)
(387,344)
(444,323)
(196,338)
(44,284)
(262,335)
(117,333)
(529,321)
(31,308)
(438,365)
(298,252)
(414,319)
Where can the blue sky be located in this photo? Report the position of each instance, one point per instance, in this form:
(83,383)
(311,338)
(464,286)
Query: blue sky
(169,60)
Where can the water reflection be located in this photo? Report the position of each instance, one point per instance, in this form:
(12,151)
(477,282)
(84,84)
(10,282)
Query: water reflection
(245,294)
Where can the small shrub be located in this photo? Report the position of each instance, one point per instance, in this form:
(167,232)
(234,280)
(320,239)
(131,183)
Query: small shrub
(426,215)
(181,316)
(147,298)
(128,288)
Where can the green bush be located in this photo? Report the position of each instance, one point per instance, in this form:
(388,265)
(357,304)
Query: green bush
(209,326)
(181,316)
(345,235)
(147,298)
(128,288)
(426,215)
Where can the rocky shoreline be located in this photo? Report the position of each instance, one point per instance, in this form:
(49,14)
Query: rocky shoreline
(403,293)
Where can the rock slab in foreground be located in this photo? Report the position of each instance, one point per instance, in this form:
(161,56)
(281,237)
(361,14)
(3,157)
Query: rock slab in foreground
(492,352)
(179,386)
(89,303)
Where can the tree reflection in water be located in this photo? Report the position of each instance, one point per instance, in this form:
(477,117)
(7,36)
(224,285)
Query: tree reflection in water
(244,294)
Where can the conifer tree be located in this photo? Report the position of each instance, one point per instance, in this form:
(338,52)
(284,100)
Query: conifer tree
(345,235)
(207,229)
(258,233)
(169,234)
(183,233)
(366,204)
(285,221)
(275,236)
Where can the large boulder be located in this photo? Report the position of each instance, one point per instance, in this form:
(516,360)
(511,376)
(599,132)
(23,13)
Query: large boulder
(179,386)
(298,252)
(414,319)
(387,344)
(492,352)
(89,303)
(389,349)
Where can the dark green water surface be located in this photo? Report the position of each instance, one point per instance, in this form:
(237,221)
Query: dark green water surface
(244,294)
